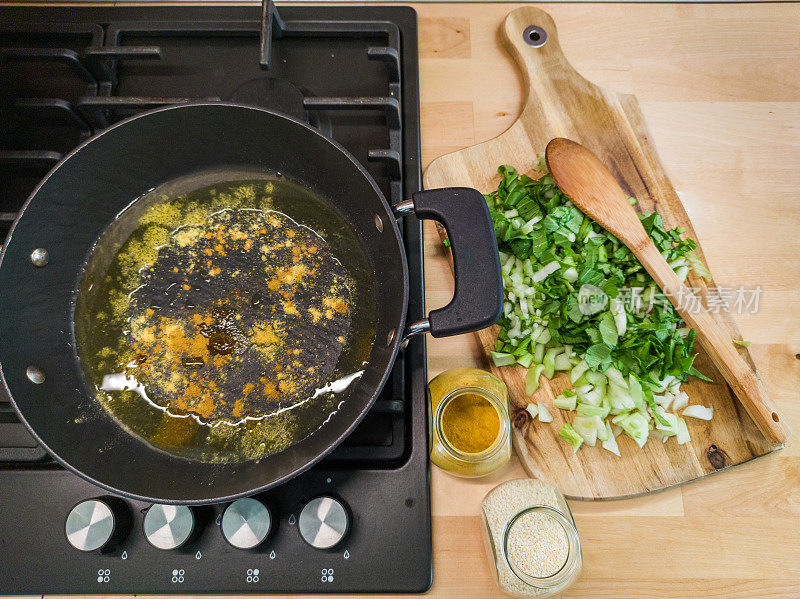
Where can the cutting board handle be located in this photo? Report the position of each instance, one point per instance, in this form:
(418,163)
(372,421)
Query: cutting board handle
(531,37)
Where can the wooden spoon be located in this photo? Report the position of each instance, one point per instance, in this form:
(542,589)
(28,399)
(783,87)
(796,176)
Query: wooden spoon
(592,188)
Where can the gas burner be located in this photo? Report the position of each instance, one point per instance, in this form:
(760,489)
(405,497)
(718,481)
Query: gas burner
(68,73)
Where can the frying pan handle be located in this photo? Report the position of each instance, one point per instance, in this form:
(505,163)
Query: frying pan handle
(478,299)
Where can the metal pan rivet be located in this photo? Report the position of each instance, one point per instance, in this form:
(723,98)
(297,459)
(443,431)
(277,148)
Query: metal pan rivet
(35,375)
(534,36)
(390,336)
(379,223)
(40,257)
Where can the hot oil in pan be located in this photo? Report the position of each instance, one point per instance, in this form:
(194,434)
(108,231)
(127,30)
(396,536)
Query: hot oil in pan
(227,322)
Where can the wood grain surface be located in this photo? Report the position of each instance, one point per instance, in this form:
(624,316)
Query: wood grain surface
(562,103)
(719,88)
(724,118)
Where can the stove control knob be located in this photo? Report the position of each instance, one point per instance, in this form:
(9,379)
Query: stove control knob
(169,526)
(97,524)
(324,522)
(246,523)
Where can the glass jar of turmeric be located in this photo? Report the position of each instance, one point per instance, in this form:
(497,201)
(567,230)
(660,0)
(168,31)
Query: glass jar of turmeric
(470,427)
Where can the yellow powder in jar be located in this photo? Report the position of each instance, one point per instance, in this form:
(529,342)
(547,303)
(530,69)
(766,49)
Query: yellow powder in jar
(470,423)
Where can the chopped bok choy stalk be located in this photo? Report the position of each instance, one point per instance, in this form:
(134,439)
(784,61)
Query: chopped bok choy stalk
(544,413)
(610,442)
(636,425)
(669,429)
(587,427)
(539,410)
(570,436)
(590,410)
(683,432)
(700,412)
(502,359)
(567,400)
(680,401)
(578,371)
(532,378)
(545,271)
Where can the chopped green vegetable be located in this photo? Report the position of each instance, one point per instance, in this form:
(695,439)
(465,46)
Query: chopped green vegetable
(587,427)
(680,401)
(576,299)
(578,371)
(570,436)
(608,330)
(549,361)
(565,402)
(696,373)
(590,410)
(538,353)
(668,423)
(683,432)
(532,379)
(596,378)
(742,343)
(700,412)
(610,442)
(598,354)
(562,362)
(635,425)
(698,266)
(544,413)
(525,360)
(502,359)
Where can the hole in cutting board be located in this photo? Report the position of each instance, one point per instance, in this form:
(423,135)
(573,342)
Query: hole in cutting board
(534,36)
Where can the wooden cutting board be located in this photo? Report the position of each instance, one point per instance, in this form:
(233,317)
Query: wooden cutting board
(561,103)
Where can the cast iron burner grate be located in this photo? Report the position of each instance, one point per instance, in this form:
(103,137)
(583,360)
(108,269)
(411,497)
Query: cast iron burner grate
(67,73)
(65,82)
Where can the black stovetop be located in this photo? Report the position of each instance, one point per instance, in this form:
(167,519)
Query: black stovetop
(66,73)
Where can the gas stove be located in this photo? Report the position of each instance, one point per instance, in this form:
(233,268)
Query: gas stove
(67,73)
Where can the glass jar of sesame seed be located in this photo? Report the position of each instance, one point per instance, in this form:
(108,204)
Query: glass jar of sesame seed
(530,538)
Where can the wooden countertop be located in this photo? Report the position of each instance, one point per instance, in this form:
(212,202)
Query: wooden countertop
(719,87)
(720,90)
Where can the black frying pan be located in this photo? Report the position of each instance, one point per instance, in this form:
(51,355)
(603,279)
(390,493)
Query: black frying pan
(86,191)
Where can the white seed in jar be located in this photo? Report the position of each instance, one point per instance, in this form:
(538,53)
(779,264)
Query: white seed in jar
(531,540)
(537,544)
